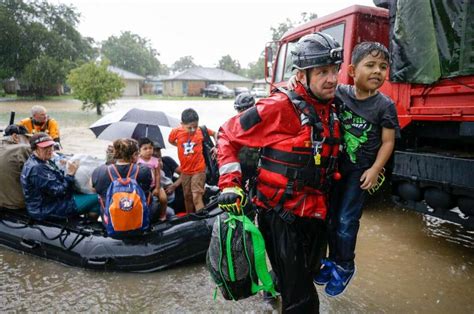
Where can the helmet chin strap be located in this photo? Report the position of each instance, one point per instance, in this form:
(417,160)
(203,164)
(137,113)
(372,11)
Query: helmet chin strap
(310,92)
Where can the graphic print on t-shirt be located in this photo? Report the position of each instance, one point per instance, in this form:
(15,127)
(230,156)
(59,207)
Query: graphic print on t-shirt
(188,147)
(355,133)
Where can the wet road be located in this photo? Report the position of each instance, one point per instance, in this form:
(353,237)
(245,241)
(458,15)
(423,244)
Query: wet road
(406,262)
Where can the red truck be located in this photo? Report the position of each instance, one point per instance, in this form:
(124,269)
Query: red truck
(433,165)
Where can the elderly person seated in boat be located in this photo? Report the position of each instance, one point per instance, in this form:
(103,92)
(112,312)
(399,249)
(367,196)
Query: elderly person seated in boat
(49,192)
(14,151)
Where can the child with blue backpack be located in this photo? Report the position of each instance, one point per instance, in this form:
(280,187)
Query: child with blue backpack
(124,189)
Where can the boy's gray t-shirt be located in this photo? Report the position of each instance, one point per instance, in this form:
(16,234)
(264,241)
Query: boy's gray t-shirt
(362,122)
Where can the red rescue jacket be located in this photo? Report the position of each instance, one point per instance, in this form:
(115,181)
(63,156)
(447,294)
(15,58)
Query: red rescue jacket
(296,162)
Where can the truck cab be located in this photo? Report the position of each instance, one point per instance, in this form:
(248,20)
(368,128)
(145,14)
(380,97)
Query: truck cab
(433,166)
(349,27)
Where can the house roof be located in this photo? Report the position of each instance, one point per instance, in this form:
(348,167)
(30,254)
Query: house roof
(260,81)
(156,78)
(207,74)
(125,74)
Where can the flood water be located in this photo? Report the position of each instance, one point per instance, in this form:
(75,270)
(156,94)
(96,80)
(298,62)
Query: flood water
(406,262)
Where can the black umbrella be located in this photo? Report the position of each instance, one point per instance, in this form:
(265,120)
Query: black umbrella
(134,123)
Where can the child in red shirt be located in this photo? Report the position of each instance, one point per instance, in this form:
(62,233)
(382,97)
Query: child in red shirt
(189,139)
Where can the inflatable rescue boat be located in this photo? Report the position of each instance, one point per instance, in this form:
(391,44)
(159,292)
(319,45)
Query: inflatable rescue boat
(84,244)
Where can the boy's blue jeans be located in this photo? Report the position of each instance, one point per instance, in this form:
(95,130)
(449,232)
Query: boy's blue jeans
(346,202)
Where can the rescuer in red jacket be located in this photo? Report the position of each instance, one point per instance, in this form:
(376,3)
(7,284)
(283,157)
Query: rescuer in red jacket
(298,133)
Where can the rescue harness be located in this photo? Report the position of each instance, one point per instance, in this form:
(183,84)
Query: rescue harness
(303,166)
(44,127)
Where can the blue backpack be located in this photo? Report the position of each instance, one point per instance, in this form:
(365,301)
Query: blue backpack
(126,208)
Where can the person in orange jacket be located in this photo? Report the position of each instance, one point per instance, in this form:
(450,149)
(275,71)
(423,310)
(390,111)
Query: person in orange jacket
(41,122)
(299,137)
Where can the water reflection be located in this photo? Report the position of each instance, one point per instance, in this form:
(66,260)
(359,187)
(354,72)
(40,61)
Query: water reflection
(436,227)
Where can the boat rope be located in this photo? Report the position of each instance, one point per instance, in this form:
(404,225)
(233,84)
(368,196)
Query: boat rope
(79,237)
(14,227)
(44,234)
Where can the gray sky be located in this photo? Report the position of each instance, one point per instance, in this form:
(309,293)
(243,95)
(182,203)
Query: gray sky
(207,30)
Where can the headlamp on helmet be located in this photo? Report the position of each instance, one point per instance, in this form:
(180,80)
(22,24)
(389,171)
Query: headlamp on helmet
(316,50)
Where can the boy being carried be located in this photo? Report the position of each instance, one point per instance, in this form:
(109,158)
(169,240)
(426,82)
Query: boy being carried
(369,122)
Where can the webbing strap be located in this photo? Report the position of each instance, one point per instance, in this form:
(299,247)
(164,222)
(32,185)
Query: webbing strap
(228,246)
(259,254)
(307,110)
(307,176)
(115,175)
(221,258)
(43,127)
(284,214)
(287,157)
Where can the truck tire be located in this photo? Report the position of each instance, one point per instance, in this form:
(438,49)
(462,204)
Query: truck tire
(438,199)
(466,205)
(409,191)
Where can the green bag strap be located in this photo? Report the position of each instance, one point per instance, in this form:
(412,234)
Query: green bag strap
(220,261)
(259,254)
(228,244)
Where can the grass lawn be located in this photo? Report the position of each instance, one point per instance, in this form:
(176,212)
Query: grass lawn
(32,98)
(184,98)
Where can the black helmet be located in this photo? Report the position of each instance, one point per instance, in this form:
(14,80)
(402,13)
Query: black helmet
(316,50)
(244,101)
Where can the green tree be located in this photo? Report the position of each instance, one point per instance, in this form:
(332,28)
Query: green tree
(164,70)
(94,85)
(229,64)
(44,73)
(183,63)
(132,53)
(256,70)
(283,27)
(31,30)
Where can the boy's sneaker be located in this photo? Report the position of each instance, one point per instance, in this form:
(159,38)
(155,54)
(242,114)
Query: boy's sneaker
(339,281)
(325,272)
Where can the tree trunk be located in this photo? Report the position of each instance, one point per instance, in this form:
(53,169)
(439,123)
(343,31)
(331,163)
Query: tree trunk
(98,108)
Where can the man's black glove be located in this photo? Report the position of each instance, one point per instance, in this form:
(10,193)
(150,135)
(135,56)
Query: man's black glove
(233,200)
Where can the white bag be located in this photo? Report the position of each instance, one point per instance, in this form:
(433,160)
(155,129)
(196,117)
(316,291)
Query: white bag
(84,172)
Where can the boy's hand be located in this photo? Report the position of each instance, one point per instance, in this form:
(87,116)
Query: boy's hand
(170,189)
(214,152)
(292,82)
(369,178)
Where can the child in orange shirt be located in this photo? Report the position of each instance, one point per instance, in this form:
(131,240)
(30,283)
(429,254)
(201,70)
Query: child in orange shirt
(189,139)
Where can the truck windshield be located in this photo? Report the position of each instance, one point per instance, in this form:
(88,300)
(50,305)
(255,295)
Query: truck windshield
(283,68)
(284,63)
(336,31)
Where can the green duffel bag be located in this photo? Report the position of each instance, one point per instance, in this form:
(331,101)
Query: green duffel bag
(236,258)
